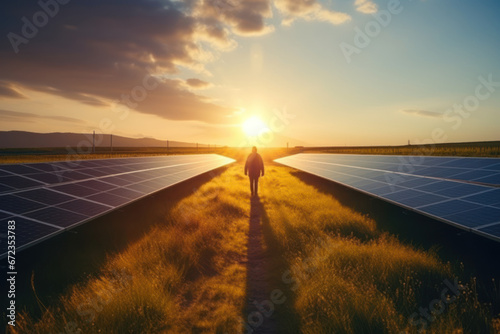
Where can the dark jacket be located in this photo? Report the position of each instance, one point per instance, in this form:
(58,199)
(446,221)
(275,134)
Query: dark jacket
(254,165)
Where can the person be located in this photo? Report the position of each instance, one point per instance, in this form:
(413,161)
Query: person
(254,168)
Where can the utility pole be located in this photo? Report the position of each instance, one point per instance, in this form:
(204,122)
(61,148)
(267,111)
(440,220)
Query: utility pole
(168,144)
(93,143)
(111,142)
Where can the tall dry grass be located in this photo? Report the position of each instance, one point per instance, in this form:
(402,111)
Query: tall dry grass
(185,275)
(346,276)
(338,272)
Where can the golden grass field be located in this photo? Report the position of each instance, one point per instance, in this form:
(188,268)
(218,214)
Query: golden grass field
(338,272)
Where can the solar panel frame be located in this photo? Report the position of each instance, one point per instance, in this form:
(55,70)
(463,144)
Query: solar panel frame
(421,203)
(86,194)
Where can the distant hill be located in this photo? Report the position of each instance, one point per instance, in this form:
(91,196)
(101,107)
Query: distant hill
(23,139)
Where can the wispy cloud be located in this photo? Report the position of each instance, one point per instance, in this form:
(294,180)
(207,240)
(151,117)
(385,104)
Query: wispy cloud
(10,91)
(8,115)
(310,10)
(194,83)
(424,113)
(366,6)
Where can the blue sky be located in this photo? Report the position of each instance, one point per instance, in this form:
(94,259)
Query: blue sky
(276,57)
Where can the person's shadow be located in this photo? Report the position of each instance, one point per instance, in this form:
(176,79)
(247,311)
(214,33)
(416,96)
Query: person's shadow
(258,315)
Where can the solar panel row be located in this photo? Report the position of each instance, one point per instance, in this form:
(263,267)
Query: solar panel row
(478,170)
(42,209)
(465,204)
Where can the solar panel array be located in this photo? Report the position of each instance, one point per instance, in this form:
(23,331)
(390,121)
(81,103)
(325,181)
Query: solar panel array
(46,199)
(464,192)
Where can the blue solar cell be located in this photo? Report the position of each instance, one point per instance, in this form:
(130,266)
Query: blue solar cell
(75,189)
(493,179)
(493,231)
(50,178)
(127,193)
(27,232)
(437,186)
(4,215)
(132,178)
(55,216)
(461,190)
(84,207)
(18,205)
(18,182)
(418,201)
(472,175)
(413,182)
(4,173)
(115,180)
(108,199)
(486,198)
(452,206)
(45,167)
(45,196)
(355,182)
(142,188)
(495,167)
(440,172)
(405,194)
(476,217)
(386,189)
(371,186)
(76,176)
(469,163)
(4,188)
(97,185)
(19,169)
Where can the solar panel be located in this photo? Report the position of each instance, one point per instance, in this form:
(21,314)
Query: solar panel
(46,199)
(463,192)
(27,232)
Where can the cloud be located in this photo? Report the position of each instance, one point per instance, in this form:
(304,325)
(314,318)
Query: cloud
(198,84)
(424,113)
(366,6)
(244,17)
(98,51)
(16,116)
(310,10)
(9,91)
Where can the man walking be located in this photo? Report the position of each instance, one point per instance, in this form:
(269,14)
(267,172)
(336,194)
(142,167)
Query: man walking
(254,167)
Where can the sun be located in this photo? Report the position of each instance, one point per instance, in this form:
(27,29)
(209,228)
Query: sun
(253,126)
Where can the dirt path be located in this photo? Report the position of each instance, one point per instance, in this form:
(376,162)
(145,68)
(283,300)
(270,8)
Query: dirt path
(259,315)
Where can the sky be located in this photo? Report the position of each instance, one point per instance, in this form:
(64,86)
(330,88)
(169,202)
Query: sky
(304,72)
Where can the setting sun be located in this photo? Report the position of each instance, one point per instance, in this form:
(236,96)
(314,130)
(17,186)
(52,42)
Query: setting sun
(254,126)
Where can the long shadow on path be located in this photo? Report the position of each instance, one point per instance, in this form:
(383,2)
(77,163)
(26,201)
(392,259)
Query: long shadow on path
(269,301)
(259,313)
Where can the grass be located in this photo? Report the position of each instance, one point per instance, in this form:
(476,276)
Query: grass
(476,149)
(338,271)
